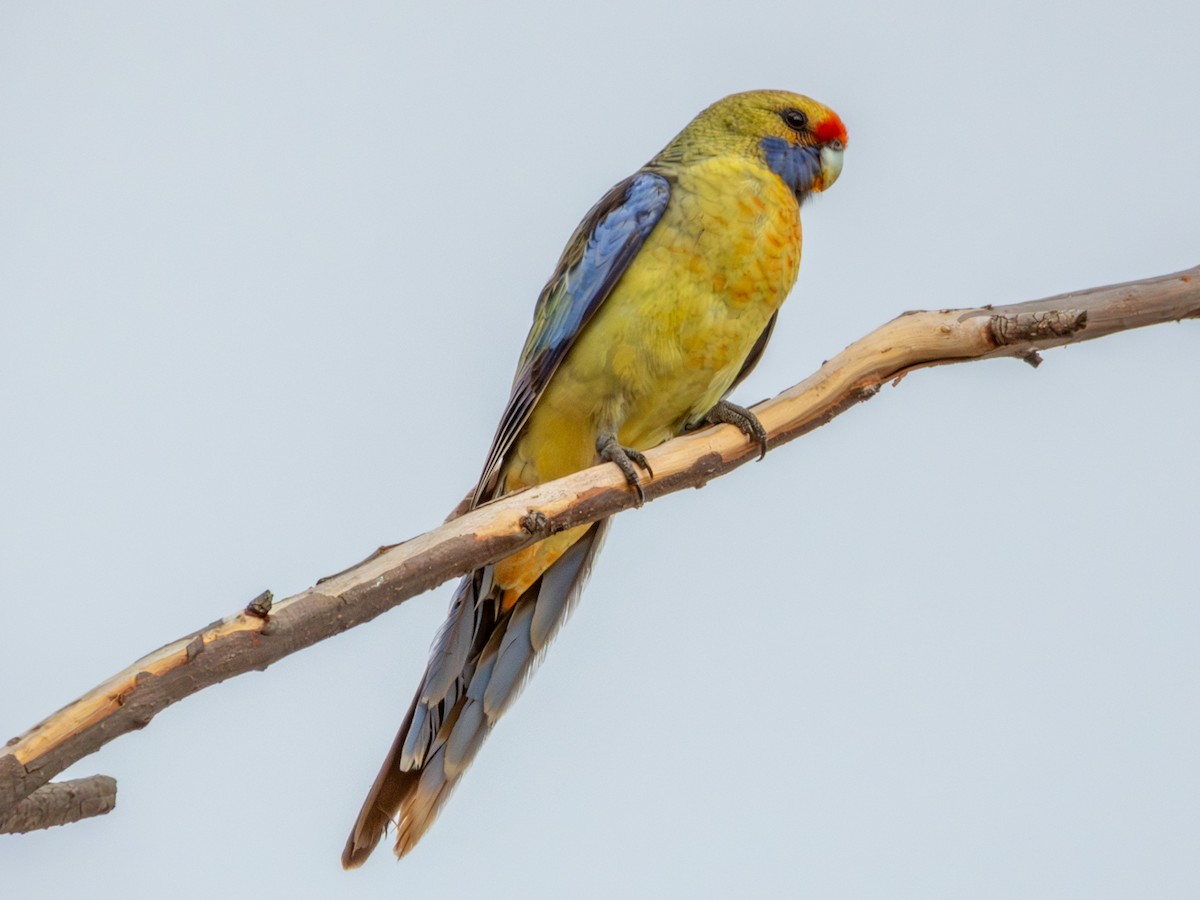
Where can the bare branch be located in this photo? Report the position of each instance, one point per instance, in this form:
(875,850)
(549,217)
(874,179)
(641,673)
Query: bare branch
(60,803)
(261,634)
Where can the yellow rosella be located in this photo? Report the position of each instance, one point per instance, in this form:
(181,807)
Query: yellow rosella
(662,302)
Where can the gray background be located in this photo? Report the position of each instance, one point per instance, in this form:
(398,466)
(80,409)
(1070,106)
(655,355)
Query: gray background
(265,271)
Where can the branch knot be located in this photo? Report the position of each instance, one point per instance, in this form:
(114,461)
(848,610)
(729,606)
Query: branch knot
(1037,326)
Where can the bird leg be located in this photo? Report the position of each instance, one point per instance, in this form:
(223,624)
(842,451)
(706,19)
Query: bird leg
(726,413)
(611,450)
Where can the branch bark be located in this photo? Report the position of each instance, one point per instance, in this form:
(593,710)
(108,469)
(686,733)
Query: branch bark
(262,633)
(60,803)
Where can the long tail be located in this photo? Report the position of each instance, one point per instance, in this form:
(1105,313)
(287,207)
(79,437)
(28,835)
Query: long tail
(481,659)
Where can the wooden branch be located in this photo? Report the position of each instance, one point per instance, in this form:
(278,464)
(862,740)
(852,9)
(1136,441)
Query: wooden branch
(261,634)
(60,803)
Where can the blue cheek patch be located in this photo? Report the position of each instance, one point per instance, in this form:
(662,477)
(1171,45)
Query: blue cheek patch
(799,167)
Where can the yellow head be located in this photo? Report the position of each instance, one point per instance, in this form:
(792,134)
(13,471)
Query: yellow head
(796,137)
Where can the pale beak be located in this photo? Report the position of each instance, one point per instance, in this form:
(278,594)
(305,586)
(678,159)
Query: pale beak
(831,163)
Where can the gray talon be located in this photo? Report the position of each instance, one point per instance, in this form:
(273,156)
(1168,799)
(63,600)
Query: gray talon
(627,460)
(726,413)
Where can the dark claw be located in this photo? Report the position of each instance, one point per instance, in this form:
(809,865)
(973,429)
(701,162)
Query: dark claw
(625,458)
(726,413)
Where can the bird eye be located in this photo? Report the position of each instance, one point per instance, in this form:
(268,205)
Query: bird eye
(794,119)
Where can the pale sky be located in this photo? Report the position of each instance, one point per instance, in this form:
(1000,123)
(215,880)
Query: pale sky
(265,272)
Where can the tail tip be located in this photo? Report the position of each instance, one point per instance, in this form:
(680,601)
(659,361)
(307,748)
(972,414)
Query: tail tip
(357,850)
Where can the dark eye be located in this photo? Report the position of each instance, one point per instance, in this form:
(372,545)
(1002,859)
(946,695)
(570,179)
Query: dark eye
(794,119)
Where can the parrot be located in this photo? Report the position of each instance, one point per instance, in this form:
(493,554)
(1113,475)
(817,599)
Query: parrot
(662,302)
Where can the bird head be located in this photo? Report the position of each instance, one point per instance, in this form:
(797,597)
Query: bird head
(797,138)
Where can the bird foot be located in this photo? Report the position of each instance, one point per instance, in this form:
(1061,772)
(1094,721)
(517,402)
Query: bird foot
(627,460)
(726,413)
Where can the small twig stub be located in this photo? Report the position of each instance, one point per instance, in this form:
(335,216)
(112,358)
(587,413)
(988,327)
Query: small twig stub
(536,523)
(260,606)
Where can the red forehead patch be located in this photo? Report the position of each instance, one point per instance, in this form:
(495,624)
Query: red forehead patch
(830,129)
